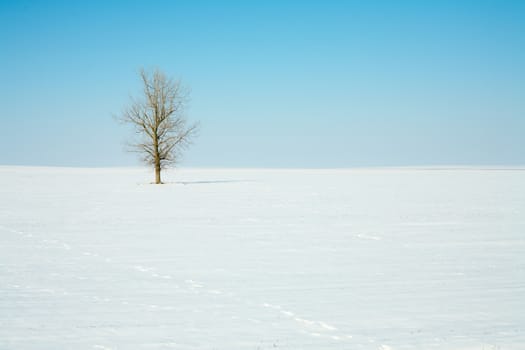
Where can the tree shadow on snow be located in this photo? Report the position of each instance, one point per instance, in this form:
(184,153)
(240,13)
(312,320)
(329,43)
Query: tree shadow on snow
(203,182)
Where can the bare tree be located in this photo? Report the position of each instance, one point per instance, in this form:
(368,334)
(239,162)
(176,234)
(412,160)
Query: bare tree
(159,120)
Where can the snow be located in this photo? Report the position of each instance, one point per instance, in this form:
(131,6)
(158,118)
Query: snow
(262,259)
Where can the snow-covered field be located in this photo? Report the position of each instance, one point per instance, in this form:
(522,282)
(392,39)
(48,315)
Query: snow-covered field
(262,259)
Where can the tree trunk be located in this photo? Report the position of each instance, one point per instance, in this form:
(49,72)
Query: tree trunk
(157,173)
(157,158)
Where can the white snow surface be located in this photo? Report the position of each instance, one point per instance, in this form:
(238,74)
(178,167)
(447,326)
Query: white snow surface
(262,259)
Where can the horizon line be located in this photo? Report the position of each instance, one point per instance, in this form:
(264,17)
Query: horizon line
(372,167)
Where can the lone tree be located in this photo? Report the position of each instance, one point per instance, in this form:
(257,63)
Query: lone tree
(159,121)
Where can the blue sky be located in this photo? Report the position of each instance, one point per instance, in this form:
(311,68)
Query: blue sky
(274,83)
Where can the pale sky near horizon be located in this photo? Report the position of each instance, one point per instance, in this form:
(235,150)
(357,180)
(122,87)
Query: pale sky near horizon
(274,83)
